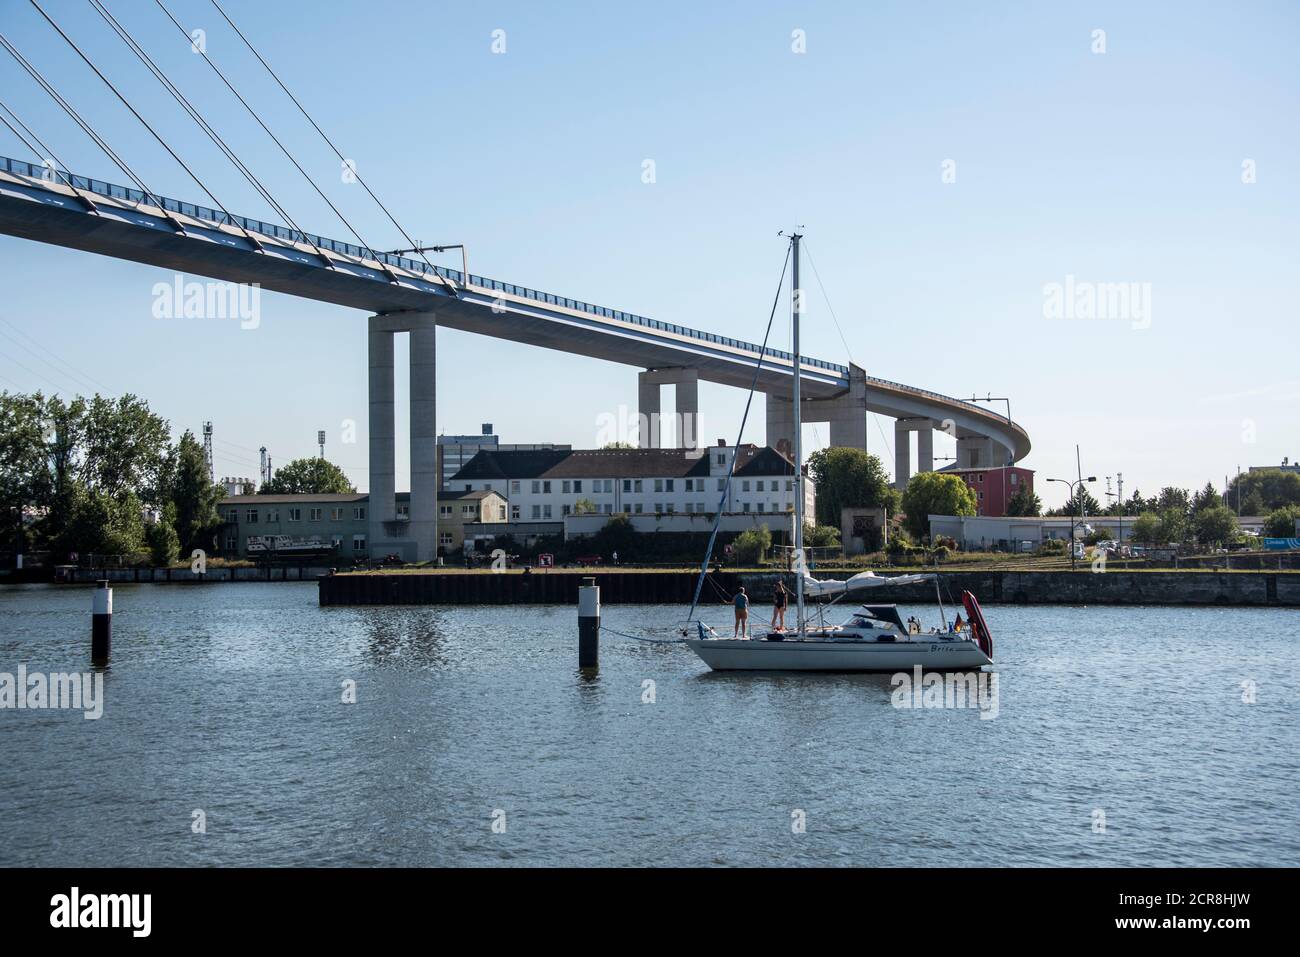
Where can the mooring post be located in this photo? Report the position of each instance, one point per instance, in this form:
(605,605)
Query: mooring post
(101,628)
(589,624)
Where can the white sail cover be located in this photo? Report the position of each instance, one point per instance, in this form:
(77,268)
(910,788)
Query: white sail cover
(814,588)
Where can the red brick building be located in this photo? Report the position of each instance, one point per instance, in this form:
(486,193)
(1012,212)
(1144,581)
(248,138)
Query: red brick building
(993,487)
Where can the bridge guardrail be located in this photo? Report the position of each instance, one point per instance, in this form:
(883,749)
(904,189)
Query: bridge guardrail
(113,191)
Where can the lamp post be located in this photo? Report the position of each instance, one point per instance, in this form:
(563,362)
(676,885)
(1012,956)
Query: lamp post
(1074,506)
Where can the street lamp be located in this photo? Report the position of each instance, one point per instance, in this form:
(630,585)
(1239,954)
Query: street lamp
(1074,505)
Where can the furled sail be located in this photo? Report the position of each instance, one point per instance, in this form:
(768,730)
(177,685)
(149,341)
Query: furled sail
(825,589)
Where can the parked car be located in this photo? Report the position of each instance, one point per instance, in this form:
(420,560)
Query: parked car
(587,560)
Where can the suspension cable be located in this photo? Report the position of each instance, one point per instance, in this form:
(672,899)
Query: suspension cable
(86,128)
(731,466)
(47,154)
(275,139)
(205,126)
(337,153)
(134,111)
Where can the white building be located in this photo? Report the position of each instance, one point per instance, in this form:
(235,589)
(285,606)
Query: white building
(546,485)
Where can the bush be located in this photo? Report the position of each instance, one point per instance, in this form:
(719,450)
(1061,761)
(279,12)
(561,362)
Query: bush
(751,545)
(1281,522)
(164,543)
(1053,546)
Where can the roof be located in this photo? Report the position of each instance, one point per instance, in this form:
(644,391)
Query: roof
(615,463)
(298,499)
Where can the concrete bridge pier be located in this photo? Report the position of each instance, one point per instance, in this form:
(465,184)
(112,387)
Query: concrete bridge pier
(686,383)
(415,539)
(903,429)
(846,415)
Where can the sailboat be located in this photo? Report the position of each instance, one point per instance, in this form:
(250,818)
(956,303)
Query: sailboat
(873,637)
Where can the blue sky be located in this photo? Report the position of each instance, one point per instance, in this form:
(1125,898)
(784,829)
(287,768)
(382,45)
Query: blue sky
(1122,166)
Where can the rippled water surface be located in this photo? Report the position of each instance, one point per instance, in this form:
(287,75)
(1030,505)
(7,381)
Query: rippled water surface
(227,699)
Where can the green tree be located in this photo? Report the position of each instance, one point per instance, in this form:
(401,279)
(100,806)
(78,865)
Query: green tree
(193,498)
(1080,504)
(616,535)
(1025,503)
(1276,489)
(314,476)
(1146,529)
(618,445)
(751,545)
(100,524)
(164,545)
(1174,525)
(126,448)
(1281,522)
(935,493)
(849,478)
(1215,524)
(584,506)
(1206,498)
(24,477)
(820,536)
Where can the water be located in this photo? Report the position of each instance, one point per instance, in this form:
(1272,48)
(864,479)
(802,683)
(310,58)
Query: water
(227,699)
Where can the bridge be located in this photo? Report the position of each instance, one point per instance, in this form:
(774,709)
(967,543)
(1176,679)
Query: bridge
(406,295)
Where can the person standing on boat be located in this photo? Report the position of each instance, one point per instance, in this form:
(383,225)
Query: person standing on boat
(780,598)
(742,614)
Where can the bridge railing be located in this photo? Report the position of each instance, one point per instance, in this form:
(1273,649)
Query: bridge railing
(102,188)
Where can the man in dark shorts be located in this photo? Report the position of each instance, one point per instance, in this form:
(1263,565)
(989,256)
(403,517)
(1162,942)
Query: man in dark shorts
(742,614)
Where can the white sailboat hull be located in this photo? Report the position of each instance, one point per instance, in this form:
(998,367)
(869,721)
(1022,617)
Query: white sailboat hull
(727,654)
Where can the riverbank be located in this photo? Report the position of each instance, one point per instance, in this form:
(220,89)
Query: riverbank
(1209,587)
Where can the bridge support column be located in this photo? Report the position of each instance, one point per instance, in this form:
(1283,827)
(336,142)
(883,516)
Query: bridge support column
(686,382)
(647,390)
(415,539)
(925,448)
(902,452)
(382,506)
(424,441)
(780,424)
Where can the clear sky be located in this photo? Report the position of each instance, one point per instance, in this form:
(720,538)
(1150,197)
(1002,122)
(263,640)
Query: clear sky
(1122,166)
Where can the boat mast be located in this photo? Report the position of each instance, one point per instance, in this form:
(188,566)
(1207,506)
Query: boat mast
(796,307)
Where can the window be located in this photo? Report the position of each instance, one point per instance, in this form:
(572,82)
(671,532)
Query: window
(295,514)
(627,485)
(746,506)
(514,487)
(564,510)
(659,485)
(233,515)
(546,488)
(336,515)
(468,487)
(358,543)
(789,485)
(403,511)
(314,514)
(722,485)
(232,543)
(577,486)
(546,512)
(564,487)
(359,513)
(744,486)
(609,509)
(637,508)
(699,506)
(690,507)
(515,513)
(636,485)
(722,459)
(537,487)
(501,513)
(762,506)
(659,507)
(444,538)
(1014,476)
(668,486)
(251,516)
(981,478)
(469,510)
(609,485)
(537,512)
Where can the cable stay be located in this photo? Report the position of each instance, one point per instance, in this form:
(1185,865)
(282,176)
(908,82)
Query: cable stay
(86,128)
(411,242)
(134,112)
(60,168)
